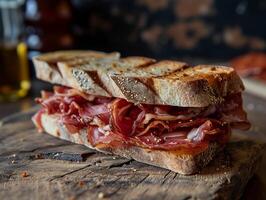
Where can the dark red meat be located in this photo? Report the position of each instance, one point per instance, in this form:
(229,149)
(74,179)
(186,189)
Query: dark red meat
(151,126)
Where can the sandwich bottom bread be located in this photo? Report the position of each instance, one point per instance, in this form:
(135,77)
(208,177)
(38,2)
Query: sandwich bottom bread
(178,161)
(183,136)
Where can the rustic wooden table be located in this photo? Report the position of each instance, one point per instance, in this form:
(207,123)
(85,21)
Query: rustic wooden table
(39,166)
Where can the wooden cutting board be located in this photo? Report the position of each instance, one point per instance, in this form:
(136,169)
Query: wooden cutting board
(39,166)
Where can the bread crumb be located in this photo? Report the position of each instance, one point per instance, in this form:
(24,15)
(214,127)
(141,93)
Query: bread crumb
(101,195)
(24,174)
(81,183)
(134,170)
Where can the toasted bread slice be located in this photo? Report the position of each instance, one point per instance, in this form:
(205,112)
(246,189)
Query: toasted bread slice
(182,163)
(139,79)
(48,67)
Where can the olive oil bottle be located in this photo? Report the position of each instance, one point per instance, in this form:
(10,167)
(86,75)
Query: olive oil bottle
(14,68)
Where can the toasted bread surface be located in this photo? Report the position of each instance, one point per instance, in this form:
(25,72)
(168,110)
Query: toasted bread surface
(139,79)
(183,163)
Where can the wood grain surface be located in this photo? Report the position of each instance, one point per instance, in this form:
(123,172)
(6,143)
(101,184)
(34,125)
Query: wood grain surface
(39,166)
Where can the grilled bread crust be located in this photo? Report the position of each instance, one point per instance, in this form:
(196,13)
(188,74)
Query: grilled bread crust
(138,79)
(182,163)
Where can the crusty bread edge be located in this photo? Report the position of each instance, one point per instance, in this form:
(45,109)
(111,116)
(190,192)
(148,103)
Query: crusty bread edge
(182,163)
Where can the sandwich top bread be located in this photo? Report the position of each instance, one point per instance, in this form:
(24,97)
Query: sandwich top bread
(139,79)
(165,113)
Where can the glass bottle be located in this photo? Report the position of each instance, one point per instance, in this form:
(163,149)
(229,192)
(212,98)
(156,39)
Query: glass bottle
(14,68)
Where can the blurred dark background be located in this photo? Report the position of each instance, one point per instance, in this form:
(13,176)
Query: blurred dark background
(156,28)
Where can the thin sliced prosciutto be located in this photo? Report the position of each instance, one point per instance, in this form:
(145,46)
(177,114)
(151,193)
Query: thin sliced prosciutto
(114,120)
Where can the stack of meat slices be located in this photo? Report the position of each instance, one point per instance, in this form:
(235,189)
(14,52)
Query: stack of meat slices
(152,126)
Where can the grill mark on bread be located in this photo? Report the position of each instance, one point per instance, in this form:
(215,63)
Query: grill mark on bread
(54,66)
(149,84)
(146,65)
(53,63)
(178,70)
(182,68)
(134,89)
(58,59)
(86,83)
(95,77)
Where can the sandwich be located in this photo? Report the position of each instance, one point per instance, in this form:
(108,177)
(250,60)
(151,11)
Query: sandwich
(163,113)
